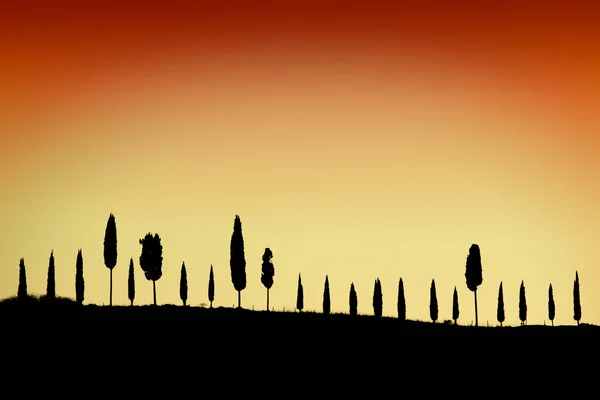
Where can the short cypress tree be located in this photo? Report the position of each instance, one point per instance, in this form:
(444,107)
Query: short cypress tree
(576,299)
(131,282)
(79,282)
(50,283)
(353,300)
(326,298)
(211,286)
(300,295)
(183,286)
(551,310)
(500,312)
(455,310)
(401,301)
(377,299)
(522,305)
(433,304)
(22,290)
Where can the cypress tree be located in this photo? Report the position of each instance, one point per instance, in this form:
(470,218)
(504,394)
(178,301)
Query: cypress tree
(22,290)
(50,283)
(353,300)
(268,271)
(500,312)
(473,274)
(401,301)
(211,286)
(433,304)
(326,299)
(522,305)
(79,282)
(551,310)
(151,259)
(300,295)
(183,286)
(237,259)
(131,282)
(576,299)
(377,299)
(110,249)
(455,310)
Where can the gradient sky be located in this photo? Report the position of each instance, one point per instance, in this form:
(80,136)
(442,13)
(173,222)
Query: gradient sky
(361,140)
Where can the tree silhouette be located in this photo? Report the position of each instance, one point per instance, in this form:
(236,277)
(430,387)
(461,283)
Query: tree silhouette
(50,283)
(551,304)
(151,259)
(131,282)
(211,286)
(433,304)
(183,286)
(22,290)
(377,299)
(576,299)
(268,271)
(522,305)
(401,301)
(500,312)
(110,248)
(237,259)
(473,274)
(326,299)
(79,282)
(455,310)
(300,295)
(353,300)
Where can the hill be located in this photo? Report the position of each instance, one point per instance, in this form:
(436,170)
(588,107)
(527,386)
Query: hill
(266,352)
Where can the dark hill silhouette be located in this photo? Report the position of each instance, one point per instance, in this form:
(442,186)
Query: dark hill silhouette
(308,352)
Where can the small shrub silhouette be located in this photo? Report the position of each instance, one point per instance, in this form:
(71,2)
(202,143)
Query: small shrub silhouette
(79,281)
(401,301)
(551,310)
(377,299)
(433,304)
(522,305)
(500,311)
(455,310)
(183,286)
(50,283)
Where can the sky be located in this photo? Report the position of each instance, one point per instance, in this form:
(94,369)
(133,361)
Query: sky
(357,140)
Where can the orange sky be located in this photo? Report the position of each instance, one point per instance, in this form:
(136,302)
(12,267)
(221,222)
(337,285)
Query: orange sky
(367,116)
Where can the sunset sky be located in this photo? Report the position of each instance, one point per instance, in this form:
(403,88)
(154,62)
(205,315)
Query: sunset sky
(361,140)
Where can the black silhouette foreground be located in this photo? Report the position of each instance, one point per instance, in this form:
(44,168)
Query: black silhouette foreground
(337,354)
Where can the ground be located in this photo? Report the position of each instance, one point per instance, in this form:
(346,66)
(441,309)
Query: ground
(176,348)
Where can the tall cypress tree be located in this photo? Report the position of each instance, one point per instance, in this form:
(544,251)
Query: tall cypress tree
(22,290)
(300,295)
(110,249)
(377,299)
(237,259)
(576,299)
(455,310)
(433,304)
(353,300)
(522,304)
(500,312)
(551,310)
(183,286)
(131,283)
(401,301)
(473,274)
(50,283)
(79,282)
(211,286)
(326,299)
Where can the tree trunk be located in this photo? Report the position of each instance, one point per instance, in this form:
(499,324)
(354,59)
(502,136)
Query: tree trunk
(476,316)
(268,299)
(211,304)
(110,287)
(154,289)
(239,299)
(131,302)
(552,322)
